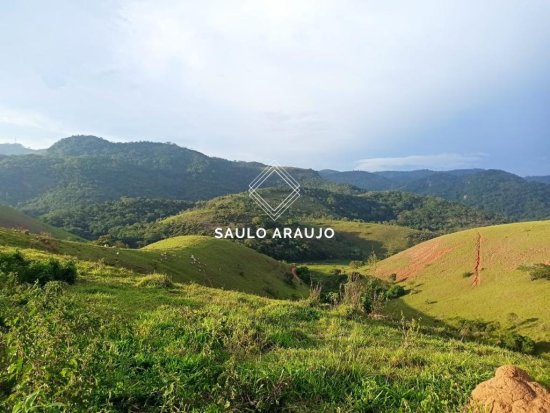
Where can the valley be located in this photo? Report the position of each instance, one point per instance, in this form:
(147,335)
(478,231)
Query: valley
(410,302)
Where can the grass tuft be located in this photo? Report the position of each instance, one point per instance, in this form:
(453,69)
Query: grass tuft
(155,281)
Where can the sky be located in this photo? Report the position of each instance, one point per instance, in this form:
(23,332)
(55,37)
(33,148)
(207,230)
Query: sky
(323,84)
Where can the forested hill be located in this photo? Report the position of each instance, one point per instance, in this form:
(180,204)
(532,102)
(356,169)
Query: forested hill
(492,190)
(83,170)
(87,169)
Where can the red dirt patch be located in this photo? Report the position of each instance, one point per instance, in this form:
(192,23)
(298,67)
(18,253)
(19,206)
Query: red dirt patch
(477,266)
(417,259)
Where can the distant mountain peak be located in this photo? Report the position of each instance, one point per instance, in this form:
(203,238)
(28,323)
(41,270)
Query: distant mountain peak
(15,149)
(79,145)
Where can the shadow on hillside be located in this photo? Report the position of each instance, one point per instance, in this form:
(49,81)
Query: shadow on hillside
(527,322)
(542,347)
(437,327)
(362,248)
(398,308)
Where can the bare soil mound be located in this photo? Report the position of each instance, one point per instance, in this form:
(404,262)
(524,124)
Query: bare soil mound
(510,391)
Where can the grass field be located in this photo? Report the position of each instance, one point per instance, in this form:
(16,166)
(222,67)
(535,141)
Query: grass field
(381,239)
(110,344)
(440,275)
(203,260)
(11,218)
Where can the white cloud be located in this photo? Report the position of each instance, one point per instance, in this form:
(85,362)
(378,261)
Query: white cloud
(312,83)
(374,73)
(441,161)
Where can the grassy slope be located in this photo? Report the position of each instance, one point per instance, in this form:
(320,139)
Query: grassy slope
(226,264)
(11,218)
(218,263)
(434,270)
(107,344)
(382,239)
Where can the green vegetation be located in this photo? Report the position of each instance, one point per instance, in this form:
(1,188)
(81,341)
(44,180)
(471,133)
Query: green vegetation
(13,265)
(112,221)
(203,260)
(108,344)
(11,218)
(337,284)
(538,271)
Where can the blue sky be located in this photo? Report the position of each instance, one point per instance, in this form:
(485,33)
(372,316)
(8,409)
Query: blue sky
(324,84)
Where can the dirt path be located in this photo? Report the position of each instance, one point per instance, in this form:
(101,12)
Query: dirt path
(477,267)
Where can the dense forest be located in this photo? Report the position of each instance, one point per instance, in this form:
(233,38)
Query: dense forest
(492,190)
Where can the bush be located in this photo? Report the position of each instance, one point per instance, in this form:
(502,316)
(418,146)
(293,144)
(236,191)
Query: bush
(364,293)
(538,271)
(492,333)
(395,291)
(516,342)
(31,271)
(304,274)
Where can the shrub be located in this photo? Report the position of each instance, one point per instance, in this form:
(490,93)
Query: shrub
(516,342)
(304,274)
(31,271)
(395,291)
(539,272)
(364,293)
(155,281)
(492,333)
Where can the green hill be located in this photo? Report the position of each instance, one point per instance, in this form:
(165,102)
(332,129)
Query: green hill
(221,263)
(114,341)
(11,218)
(203,260)
(81,170)
(440,275)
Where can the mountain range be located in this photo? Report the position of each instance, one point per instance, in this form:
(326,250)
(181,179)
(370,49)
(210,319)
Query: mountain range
(491,190)
(82,170)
